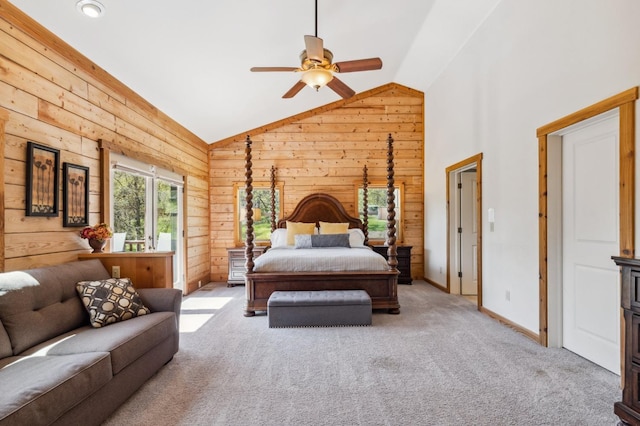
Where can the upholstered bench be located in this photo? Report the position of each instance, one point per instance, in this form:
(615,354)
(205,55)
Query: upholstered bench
(319,308)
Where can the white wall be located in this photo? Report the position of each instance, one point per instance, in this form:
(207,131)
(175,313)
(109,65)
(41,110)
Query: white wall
(530,63)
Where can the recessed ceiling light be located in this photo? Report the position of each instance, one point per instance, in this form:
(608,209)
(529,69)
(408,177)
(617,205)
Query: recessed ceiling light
(90,8)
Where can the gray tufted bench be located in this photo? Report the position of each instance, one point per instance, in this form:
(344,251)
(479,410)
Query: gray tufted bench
(319,308)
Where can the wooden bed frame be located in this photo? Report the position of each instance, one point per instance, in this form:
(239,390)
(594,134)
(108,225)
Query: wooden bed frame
(382,286)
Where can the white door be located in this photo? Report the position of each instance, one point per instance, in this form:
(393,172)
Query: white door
(590,232)
(468,234)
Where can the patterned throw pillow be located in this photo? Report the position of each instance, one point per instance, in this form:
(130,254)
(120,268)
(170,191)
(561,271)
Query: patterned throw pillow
(110,301)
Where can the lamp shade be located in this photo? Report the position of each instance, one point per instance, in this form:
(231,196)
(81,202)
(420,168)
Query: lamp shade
(317,77)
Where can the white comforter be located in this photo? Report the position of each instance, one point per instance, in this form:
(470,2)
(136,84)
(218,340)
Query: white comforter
(334,259)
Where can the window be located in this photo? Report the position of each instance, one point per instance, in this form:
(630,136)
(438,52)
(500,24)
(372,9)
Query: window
(261,212)
(377,210)
(146,210)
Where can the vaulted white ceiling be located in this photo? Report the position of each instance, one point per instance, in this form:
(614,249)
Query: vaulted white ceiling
(191,59)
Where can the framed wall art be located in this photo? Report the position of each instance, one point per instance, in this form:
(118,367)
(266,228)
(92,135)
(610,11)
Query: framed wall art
(43,165)
(75,194)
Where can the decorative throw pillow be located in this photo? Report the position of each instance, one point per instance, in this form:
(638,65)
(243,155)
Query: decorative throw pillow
(296,228)
(322,240)
(303,241)
(330,240)
(333,228)
(109,301)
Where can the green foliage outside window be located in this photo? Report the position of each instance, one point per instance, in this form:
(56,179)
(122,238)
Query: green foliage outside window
(377,211)
(129,205)
(129,209)
(261,213)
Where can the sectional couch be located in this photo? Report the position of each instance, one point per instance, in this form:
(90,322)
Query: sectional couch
(56,368)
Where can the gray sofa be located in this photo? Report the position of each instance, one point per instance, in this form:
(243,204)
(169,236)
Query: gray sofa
(57,369)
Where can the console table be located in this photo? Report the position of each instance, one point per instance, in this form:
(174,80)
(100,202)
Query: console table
(144,269)
(404,261)
(629,408)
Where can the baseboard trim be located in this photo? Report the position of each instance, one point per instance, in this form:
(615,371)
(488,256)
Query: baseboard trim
(502,320)
(436,285)
(193,285)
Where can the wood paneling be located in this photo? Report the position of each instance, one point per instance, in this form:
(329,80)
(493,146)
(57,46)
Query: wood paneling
(146,270)
(56,97)
(324,150)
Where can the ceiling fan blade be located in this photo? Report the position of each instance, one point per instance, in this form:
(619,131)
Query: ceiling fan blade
(268,69)
(340,88)
(315,49)
(294,90)
(359,65)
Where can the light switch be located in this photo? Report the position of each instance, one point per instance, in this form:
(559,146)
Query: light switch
(491,214)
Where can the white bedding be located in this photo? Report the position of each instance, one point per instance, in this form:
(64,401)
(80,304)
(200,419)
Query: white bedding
(334,259)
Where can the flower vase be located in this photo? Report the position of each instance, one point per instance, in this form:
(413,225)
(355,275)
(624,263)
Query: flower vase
(97,245)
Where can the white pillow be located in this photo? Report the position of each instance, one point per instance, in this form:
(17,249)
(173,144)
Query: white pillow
(356,237)
(279,237)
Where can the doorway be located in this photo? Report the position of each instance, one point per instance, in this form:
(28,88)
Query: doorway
(468,234)
(581,149)
(586,217)
(147,210)
(464,229)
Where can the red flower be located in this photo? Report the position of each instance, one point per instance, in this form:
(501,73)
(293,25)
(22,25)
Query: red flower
(100,232)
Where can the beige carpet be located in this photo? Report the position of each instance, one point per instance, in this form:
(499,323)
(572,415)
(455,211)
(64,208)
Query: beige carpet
(440,362)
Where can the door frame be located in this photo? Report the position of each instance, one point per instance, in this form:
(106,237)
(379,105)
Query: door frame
(625,101)
(106,147)
(474,161)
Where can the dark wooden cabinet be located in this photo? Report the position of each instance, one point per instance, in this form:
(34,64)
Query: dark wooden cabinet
(236,264)
(404,261)
(628,410)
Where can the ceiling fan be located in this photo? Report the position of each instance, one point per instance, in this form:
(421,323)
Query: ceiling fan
(318,70)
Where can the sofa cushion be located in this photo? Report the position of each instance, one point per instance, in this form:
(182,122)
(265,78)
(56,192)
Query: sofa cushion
(39,304)
(36,390)
(126,341)
(5,343)
(110,301)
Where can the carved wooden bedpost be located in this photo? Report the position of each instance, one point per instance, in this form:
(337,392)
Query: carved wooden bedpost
(391,208)
(365,204)
(248,247)
(273,198)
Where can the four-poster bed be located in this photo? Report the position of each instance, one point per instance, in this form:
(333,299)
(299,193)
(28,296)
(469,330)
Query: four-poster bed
(379,281)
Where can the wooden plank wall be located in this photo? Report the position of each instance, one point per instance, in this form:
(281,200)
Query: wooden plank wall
(324,150)
(56,97)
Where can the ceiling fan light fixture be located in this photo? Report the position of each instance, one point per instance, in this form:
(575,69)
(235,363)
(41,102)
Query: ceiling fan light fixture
(317,77)
(90,8)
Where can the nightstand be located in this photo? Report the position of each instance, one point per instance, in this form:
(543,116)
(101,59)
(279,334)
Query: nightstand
(236,264)
(404,261)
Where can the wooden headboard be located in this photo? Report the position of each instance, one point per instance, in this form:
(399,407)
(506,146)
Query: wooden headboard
(320,208)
